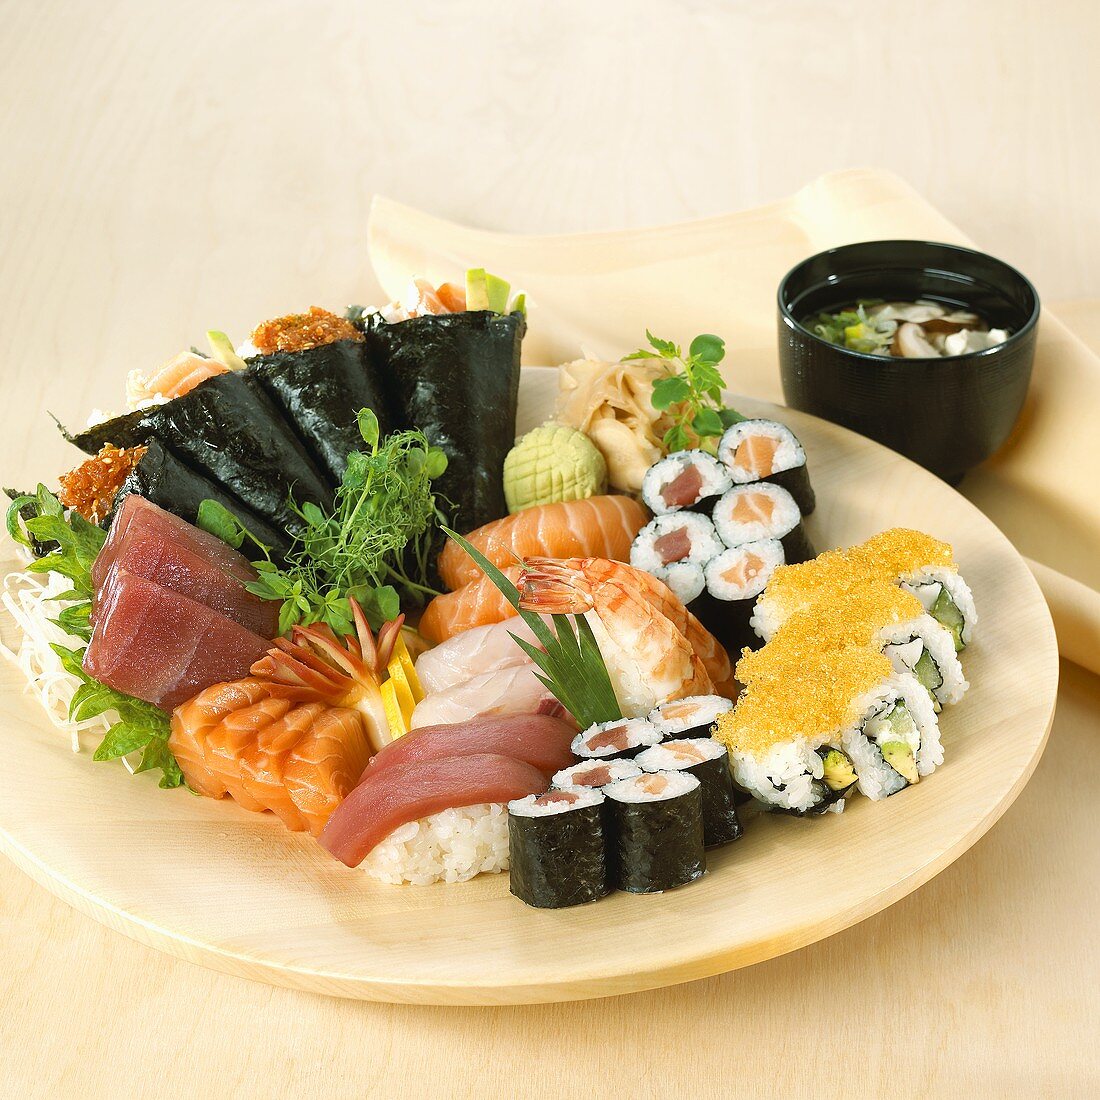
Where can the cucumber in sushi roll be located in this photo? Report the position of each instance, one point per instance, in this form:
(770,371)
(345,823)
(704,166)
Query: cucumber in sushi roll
(684,479)
(947,598)
(557,848)
(675,538)
(658,831)
(748,513)
(765,450)
(708,761)
(622,737)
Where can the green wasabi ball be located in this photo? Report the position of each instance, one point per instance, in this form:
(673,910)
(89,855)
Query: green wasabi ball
(551,464)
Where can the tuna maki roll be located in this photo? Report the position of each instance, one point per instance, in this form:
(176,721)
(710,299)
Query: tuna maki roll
(596,773)
(762,510)
(622,737)
(672,538)
(708,761)
(557,848)
(658,831)
(765,450)
(684,479)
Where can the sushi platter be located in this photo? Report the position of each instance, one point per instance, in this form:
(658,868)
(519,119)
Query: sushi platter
(592,805)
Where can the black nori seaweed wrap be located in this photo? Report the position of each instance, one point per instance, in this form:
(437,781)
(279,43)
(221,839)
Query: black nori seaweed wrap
(797,482)
(659,843)
(721,825)
(797,547)
(456,377)
(162,478)
(559,859)
(727,620)
(127,430)
(320,392)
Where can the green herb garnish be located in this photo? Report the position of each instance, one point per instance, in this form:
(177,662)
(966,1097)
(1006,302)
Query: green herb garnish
(140,726)
(572,665)
(855,329)
(374,545)
(692,393)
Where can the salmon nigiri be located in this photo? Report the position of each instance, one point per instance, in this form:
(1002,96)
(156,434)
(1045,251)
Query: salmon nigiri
(599,527)
(478,603)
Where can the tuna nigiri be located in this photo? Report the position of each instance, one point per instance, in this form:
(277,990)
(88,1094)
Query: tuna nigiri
(476,604)
(537,739)
(515,690)
(409,792)
(599,527)
(474,652)
(160,646)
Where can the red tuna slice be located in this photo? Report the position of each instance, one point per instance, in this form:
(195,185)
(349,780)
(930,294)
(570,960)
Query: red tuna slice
(160,646)
(536,739)
(673,545)
(135,511)
(684,489)
(200,576)
(408,792)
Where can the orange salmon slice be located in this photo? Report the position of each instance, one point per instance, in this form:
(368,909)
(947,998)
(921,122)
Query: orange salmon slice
(747,569)
(756,455)
(686,752)
(751,507)
(653,784)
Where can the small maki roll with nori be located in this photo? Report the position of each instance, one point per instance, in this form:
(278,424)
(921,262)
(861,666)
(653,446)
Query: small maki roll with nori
(673,538)
(691,717)
(623,737)
(596,773)
(320,391)
(161,478)
(684,479)
(765,450)
(734,579)
(685,579)
(709,762)
(762,510)
(456,377)
(658,831)
(557,848)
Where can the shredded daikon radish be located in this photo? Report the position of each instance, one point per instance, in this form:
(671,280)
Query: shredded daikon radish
(29,600)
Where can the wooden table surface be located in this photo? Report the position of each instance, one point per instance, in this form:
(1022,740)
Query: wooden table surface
(170,168)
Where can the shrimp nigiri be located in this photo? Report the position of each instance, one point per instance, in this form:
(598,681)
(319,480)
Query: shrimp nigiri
(648,656)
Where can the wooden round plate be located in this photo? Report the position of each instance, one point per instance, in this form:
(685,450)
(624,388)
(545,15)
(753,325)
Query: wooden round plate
(235,891)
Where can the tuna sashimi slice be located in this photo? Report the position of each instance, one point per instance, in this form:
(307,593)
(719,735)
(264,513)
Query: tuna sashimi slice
(138,512)
(160,646)
(144,551)
(408,792)
(536,739)
(515,690)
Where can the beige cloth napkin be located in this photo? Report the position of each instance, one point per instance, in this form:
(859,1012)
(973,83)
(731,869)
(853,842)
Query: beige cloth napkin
(599,291)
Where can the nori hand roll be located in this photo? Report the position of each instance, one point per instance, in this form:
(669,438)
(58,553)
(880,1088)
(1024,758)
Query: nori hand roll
(557,848)
(127,430)
(320,392)
(456,377)
(164,480)
(658,822)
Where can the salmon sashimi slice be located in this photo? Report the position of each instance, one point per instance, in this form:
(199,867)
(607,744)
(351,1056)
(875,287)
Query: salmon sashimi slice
(514,690)
(180,375)
(682,491)
(538,740)
(744,570)
(755,455)
(753,508)
(475,604)
(474,652)
(326,764)
(409,792)
(599,527)
(261,765)
(159,646)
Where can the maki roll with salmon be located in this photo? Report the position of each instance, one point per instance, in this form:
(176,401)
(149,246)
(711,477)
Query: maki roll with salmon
(765,450)
(685,579)
(762,510)
(622,737)
(596,773)
(684,479)
(734,579)
(558,849)
(658,831)
(694,716)
(676,537)
(708,761)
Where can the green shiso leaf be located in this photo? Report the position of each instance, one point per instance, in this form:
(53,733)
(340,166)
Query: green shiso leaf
(572,665)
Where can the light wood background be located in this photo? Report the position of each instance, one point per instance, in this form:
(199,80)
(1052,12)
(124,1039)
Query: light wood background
(167,168)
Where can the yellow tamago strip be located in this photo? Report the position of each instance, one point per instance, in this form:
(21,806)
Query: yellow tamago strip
(402,691)
(402,658)
(395,719)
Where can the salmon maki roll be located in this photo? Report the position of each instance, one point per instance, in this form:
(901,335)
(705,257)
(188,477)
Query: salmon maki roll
(599,527)
(765,450)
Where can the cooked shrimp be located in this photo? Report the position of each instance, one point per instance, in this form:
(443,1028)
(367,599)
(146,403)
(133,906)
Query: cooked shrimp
(648,657)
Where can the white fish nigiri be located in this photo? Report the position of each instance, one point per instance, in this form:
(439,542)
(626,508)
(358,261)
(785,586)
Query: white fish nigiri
(473,653)
(515,690)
